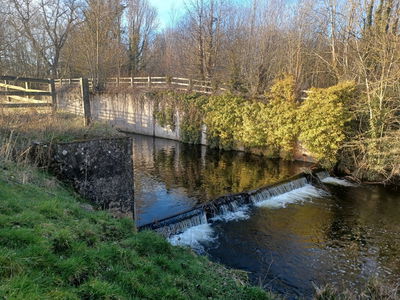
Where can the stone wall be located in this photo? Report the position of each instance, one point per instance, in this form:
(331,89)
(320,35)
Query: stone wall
(99,170)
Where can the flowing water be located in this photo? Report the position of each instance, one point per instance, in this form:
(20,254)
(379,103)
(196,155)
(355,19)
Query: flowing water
(171,177)
(289,237)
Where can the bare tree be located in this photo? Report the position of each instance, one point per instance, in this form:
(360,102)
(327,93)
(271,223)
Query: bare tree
(142,20)
(95,48)
(202,26)
(46,25)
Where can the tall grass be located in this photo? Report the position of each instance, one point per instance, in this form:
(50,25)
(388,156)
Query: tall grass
(374,289)
(21,128)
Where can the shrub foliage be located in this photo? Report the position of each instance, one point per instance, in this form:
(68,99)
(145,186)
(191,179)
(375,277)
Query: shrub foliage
(320,122)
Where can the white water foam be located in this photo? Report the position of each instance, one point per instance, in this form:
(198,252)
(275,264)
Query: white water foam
(241,213)
(304,193)
(193,237)
(337,181)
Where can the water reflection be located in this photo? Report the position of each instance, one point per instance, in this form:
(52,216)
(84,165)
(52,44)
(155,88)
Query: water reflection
(171,177)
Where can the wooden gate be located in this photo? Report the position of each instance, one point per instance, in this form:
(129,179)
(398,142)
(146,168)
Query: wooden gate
(27,92)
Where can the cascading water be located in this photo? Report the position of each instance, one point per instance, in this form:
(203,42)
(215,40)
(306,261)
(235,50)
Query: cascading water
(224,208)
(177,224)
(231,207)
(324,177)
(237,207)
(269,192)
(226,205)
(232,211)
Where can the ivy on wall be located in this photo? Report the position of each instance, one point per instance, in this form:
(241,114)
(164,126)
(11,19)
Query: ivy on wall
(277,122)
(192,106)
(189,105)
(164,112)
(165,117)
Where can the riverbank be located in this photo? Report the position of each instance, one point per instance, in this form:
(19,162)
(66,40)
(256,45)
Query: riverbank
(86,253)
(54,245)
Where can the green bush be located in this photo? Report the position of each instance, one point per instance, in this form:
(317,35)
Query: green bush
(224,120)
(281,127)
(322,121)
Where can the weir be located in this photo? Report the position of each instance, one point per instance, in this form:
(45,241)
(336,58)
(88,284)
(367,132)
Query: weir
(322,174)
(205,213)
(177,223)
(225,204)
(279,189)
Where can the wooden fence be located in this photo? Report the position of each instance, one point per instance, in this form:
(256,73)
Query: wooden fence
(33,92)
(177,83)
(27,92)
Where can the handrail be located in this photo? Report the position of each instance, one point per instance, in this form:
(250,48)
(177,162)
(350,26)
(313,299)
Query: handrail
(195,85)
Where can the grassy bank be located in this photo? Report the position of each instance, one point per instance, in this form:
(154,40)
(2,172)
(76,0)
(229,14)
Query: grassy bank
(54,247)
(374,289)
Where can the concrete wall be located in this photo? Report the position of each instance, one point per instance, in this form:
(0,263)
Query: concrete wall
(69,99)
(131,111)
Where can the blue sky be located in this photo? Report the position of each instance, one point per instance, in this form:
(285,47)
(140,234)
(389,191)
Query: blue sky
(168,10)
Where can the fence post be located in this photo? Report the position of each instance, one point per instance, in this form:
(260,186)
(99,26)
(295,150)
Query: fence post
(190,86)
(149,82)
(8,98)
(168,80)
(86,100)
(52,89)
(131,81)
(27,88)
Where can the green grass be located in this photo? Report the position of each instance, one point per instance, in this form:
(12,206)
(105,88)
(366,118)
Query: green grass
(52,248)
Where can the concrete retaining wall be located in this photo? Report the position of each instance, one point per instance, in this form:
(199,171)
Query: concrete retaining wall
(129,111)
(133,111)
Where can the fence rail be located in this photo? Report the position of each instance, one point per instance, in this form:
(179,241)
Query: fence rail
(25,79)
(178,83)
(24,91)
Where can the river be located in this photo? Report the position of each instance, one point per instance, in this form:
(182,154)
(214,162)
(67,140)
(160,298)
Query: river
(288,245)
